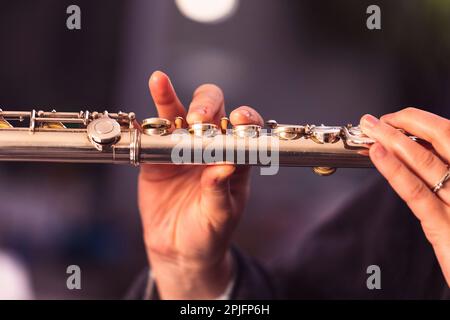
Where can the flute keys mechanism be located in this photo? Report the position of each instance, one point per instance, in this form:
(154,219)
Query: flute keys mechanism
(247,131)
(179,121)
(204,129)
(224,124)
(324,171)
(286,131)
(156,126)
(4,124)
(354,136)
(49,124)
(103,132)
(323,134)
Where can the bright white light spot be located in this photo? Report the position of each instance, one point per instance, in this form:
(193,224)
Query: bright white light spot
(207,11)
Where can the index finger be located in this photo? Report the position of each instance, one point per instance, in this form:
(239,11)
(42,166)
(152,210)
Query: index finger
(240,181)
(425,125)
(167,103)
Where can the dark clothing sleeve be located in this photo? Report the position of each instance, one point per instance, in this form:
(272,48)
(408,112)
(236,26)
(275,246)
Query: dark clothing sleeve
(374,228)
(330,260)
(252,281)
(139,288)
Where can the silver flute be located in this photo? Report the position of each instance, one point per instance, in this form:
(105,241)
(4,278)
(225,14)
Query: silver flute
(103,137)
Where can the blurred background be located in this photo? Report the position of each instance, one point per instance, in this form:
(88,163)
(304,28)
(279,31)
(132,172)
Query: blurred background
(298,61)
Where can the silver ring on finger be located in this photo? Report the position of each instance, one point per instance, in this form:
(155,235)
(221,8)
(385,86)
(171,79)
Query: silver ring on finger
(440,184)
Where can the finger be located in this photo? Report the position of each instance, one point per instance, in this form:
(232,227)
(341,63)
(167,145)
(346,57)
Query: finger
(215,194)
(169,107)
(240,181)
(246,115)
(167,103)
(425,125)
(421,161)
(240,184)
(208,105)
(425,205)
(234,180)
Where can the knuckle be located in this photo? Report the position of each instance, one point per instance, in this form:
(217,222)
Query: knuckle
(393,134)
(386,117)
(446,130)
(396,167)
(417,192)
(426,160)
(409,111)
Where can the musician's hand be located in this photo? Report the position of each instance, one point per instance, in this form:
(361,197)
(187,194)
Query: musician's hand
(412,170)
(189,212)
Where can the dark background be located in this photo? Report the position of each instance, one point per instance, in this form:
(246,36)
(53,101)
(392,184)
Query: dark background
(295,61)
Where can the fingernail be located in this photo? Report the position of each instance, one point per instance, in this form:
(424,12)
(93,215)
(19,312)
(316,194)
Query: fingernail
(380,151)
(369,121)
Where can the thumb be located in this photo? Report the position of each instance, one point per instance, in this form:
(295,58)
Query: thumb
(215,194)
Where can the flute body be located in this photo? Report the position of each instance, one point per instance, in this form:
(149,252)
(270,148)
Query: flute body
(92,137)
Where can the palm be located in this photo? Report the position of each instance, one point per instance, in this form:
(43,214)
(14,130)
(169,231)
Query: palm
(179,224)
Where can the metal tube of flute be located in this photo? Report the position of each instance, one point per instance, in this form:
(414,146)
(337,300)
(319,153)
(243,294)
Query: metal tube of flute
(68,145)
(74,146)
(297,153)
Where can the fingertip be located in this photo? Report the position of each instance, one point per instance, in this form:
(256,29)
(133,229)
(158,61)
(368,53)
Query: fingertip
(199,114)
(164,96)
(156,76)
(158,80)
(363,118)
(368,123)
(241,115)
(245,115)
(207,105)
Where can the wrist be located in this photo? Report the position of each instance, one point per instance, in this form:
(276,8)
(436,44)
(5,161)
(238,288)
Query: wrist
(182,280)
